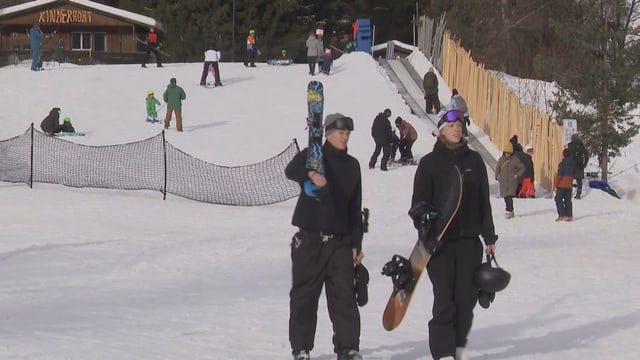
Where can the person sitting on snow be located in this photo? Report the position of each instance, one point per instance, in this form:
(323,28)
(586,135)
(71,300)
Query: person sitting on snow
(51,124)
(67,126)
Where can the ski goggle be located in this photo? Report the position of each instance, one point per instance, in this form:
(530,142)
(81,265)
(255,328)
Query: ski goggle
(343,123)
(450,117)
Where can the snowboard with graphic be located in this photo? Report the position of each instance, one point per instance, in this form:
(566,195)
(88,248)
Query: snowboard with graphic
(315,109)
(446,203)
(279,62)
(77,133)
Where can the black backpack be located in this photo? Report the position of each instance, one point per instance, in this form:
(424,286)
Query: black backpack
(580,155)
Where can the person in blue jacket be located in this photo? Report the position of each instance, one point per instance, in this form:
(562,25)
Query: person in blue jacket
(35,37)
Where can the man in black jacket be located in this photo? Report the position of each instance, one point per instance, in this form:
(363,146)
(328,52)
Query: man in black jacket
(383,137)
(328,245)
(581,157)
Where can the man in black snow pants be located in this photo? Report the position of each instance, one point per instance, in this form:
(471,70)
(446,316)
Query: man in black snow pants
(328,245)
(383,137)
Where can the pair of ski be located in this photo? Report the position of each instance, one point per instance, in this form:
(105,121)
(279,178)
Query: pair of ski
(446,203)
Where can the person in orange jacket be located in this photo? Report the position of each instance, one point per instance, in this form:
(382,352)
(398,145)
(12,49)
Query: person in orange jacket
(250,60)
(563,182)
(152,46)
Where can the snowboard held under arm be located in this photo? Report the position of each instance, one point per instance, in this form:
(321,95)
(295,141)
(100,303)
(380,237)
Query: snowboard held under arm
(446,204)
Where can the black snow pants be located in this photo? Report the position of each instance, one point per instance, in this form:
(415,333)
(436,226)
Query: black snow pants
(386,152)
(317,262)
(205,72)
(454,295)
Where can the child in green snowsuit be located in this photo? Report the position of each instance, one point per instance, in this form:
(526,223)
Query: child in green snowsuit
(152,102)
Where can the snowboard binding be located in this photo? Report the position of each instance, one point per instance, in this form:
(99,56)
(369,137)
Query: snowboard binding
(401,273)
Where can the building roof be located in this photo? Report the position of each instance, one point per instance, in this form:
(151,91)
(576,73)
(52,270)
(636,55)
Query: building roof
(127,15)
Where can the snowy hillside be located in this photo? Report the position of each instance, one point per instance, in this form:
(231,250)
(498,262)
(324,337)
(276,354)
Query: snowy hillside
(95,274)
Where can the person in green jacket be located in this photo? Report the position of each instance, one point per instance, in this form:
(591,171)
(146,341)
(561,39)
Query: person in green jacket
(173,96)
(152,102)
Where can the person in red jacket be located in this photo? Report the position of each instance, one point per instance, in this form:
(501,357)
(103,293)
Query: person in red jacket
(152,46)
(408,135)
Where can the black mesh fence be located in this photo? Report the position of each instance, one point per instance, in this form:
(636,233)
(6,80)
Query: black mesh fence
(151,164)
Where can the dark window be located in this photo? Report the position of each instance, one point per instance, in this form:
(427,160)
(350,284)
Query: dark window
(100,41)
(80,41)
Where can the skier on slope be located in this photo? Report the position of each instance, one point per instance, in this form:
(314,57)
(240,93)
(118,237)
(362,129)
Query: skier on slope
(152,47)
(211,59)
(152,112)
(250,60)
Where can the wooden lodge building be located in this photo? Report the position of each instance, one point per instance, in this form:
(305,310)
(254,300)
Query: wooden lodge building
(80,31)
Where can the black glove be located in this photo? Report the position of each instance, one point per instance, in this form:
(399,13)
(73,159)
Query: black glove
(431,244)
(486,298)
(422,213)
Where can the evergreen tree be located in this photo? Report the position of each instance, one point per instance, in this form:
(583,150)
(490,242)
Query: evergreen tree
(598,73)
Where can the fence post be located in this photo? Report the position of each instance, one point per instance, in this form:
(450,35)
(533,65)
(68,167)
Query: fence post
(164,154)
(31,170)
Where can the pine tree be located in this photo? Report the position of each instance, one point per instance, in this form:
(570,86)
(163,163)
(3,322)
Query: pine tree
(598,72)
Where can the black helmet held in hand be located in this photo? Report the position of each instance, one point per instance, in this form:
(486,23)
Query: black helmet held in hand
(491,279)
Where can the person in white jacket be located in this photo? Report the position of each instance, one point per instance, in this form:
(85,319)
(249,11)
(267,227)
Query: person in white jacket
(458,103)
(211,59)
(314,50)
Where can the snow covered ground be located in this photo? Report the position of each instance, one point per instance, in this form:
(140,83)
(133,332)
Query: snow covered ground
(95,274)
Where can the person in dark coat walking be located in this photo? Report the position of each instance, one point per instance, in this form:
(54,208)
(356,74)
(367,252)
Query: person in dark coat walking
(430,86)
(328,244)
(51,124)
(581,157)
(452,266)
(509,171)
(383,137)
(563,182)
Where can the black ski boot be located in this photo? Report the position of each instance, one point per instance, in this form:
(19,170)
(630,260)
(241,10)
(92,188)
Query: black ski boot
(349,355)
